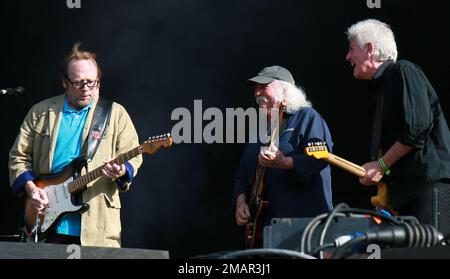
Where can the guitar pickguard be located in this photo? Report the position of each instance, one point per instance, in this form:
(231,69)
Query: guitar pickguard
(60,201)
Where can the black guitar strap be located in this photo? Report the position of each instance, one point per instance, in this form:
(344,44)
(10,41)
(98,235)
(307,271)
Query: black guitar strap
(377,125)
(99,122)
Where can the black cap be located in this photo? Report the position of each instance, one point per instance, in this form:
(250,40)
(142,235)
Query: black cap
(269,74)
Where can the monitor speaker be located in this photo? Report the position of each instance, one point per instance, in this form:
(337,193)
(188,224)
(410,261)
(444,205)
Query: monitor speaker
(441,209)
(21,250)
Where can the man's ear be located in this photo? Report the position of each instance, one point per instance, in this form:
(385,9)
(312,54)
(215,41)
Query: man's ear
(370,49)
(64,83)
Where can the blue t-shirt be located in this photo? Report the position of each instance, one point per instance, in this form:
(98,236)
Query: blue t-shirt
(68,147)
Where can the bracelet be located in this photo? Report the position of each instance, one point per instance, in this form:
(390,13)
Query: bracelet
(383,166)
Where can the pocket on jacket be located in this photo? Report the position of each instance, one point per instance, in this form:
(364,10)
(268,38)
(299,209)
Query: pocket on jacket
(41,143)
(112,202)
(113,226)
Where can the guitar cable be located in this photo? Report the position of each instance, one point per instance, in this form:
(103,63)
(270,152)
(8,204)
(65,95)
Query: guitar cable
(341,210)
(35,229)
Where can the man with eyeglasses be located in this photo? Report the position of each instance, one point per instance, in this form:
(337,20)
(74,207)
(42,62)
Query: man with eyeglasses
(58,130)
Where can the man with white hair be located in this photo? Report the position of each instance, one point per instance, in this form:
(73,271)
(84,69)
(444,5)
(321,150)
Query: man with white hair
(410,129)
(296,185)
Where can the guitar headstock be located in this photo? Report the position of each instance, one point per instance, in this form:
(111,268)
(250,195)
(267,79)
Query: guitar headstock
(154,143)
(317,150)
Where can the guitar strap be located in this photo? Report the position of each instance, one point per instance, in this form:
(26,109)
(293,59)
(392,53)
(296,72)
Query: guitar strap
(99,122)
(377,125)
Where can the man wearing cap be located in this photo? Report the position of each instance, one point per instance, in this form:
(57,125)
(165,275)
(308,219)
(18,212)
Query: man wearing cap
(296,184)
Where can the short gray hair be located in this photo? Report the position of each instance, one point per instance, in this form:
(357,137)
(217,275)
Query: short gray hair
(295,97)
(379,34)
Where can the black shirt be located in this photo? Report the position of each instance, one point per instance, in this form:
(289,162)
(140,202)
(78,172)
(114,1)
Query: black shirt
(413,116)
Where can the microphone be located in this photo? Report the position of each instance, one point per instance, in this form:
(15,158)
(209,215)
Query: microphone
(12,91)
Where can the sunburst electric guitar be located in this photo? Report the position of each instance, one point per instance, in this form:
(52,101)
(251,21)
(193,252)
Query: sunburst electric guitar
(61,187)
(257,203)
(319,150)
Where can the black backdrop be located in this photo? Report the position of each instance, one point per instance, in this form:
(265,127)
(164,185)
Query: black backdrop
(160,55)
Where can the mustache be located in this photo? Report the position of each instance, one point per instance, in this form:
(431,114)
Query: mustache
(262,99)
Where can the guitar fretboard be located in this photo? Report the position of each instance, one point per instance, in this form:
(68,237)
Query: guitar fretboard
(80,183)
(346,165)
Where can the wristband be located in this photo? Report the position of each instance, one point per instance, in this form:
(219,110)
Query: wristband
(383,166)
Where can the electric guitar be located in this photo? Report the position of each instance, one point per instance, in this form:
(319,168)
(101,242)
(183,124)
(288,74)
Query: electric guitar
(61,187)
(257,205)
(319,150)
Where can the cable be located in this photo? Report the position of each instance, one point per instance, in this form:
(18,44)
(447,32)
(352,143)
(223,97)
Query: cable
(267,252)
(307,228)
(404,235)
(311,234)
(323,247)
(337,253)
(312,229)
(315,222)
(309,231)
(373,213)
(328,222)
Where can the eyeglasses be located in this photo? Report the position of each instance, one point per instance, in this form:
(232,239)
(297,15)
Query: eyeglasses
(80,83)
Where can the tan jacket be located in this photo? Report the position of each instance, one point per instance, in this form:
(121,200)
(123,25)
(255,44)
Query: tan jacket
(34,148)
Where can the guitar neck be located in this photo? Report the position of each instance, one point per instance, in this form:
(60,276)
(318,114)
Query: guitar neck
(346,165)
(257,184)
(80,183)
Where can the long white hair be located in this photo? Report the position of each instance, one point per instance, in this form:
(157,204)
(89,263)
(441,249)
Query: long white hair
(379,34)
(295,97)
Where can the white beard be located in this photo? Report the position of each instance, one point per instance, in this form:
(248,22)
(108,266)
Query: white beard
(262,99)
